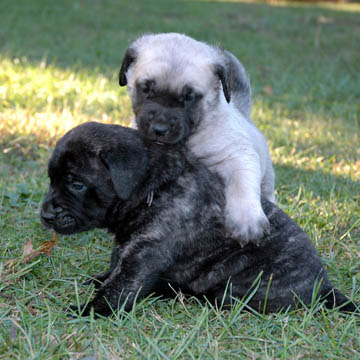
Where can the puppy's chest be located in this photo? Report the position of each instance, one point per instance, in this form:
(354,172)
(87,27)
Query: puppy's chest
(211,149)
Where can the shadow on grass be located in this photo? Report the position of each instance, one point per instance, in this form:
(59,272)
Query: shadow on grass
(317,182)
(324,204)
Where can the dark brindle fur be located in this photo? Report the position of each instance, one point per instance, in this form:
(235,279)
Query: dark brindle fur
(102,176)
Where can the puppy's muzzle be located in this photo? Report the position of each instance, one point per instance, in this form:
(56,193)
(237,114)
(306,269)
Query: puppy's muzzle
(54,217)
(159,128)
(162,124)
(49,213)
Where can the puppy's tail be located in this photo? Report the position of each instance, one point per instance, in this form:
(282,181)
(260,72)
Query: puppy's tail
(239,85)
(334,298)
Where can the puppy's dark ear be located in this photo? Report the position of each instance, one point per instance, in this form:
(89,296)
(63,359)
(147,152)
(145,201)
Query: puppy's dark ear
(127,167)
(127,61)
(224,77)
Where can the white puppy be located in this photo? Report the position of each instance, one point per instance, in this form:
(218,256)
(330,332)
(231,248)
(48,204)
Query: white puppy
(180,89)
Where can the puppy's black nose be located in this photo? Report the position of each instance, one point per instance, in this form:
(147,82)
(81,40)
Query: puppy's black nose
(49,213)
(48,217)
(159,128)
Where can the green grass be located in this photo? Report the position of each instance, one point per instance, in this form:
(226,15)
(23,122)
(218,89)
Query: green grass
(58,67)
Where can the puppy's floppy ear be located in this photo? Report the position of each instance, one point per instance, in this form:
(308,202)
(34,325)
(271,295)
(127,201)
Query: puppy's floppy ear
(129,58)
(224,77)
(127,166)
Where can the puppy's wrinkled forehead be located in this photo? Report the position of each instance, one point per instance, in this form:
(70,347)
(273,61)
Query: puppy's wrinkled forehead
(174,61)
(80,147)
(71,153)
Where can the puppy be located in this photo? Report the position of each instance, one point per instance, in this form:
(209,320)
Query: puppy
(181,88)
(166,210)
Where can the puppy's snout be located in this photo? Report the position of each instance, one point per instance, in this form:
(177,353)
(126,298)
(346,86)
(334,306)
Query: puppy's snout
(49,212)
(159,128)
(161,124)
(48,217)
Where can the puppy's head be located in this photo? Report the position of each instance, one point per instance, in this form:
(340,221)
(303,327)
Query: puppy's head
(94,168)
(173,80)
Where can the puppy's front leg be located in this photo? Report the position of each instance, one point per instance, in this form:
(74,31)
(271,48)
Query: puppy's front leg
(134,275)
(244,217)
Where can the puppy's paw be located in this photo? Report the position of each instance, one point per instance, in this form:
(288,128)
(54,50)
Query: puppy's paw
(247,224)
(99,306)
(81,310)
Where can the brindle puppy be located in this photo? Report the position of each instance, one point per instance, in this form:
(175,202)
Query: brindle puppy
(166,210)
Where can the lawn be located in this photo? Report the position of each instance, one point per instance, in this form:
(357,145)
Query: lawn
(59,63)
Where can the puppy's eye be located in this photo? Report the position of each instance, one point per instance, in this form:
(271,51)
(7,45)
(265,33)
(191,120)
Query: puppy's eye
(74,184)
(78,186)
(189,97)
(147,86)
